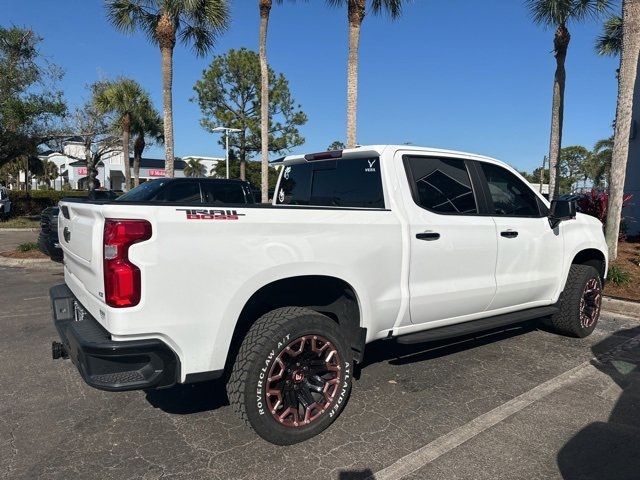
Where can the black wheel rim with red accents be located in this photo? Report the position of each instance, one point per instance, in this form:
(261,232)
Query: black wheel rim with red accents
(303,381)
(590,303)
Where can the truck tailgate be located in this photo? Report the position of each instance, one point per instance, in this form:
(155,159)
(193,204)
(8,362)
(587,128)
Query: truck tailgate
(80,230)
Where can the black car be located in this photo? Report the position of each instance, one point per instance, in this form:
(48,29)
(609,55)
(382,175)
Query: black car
(48,237)
(207,191)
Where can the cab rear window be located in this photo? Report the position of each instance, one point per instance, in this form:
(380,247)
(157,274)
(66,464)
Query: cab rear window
(354,183)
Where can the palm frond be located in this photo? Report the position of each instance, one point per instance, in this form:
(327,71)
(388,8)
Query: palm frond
(590,9)
(560,12)
(201,22)
(129,15)
(610,41)
(391,7)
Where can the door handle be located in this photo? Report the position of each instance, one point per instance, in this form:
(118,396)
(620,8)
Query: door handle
(509,234)
(428,236)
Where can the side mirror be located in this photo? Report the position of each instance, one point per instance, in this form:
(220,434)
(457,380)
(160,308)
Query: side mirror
(561,210)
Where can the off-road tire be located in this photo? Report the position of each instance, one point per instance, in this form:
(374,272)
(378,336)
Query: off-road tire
(567,321)
(266,339)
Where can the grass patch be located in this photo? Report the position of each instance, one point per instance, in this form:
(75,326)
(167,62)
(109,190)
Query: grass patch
(27,247)
(618,276)
(20,222)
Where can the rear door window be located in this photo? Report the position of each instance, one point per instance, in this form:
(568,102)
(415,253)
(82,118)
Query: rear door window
(354,183)
(442,185)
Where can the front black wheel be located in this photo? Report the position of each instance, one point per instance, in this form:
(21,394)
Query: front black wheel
(580,302)
(292,375)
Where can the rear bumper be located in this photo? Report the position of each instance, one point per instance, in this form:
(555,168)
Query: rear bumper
(106,364)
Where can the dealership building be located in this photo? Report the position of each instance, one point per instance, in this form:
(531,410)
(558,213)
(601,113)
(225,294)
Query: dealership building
(110,168)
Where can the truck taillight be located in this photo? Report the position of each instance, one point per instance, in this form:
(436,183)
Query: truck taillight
(121,277)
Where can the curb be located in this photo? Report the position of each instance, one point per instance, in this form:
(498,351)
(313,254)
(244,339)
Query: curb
(621,307)
(27,262)
(18,229)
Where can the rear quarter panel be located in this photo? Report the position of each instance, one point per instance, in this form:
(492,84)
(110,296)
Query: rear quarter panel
(197,275)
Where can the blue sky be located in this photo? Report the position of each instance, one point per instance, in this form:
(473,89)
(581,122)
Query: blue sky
(460,74)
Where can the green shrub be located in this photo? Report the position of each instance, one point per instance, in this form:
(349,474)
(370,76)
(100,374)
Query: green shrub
(34,201)
(25,247)
(618,276)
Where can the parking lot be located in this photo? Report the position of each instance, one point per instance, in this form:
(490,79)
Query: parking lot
(522,403)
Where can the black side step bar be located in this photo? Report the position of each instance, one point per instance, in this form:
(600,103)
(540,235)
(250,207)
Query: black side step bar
(473,326)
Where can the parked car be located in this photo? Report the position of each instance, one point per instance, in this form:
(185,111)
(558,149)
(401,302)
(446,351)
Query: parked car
(5,203)
(374,243)
(48,236)
(202,191)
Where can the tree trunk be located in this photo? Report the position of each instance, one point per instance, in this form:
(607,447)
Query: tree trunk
(126,133)
(165,31)
(265,8)
(624,113)
(138,148)
(561,44)
(167,102)
(91,166)
(243,156)
(356,12)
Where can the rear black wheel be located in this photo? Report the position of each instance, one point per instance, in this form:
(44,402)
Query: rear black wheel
(292,375)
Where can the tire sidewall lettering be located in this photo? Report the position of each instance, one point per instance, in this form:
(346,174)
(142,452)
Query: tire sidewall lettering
(264,372)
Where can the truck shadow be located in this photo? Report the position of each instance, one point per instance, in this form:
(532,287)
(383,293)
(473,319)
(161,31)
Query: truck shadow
(211,395)
(611,449)
(191,398)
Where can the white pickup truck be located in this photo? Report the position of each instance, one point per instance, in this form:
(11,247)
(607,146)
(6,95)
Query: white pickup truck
(379,242)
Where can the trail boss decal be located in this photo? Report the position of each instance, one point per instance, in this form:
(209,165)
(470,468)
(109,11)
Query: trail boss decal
(210,214)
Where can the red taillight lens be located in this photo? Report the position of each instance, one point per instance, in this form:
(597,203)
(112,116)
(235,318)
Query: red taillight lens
(121,277)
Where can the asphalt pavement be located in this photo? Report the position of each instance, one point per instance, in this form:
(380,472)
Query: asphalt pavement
(518,404)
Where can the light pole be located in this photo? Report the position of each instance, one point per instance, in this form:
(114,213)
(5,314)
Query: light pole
(226,131)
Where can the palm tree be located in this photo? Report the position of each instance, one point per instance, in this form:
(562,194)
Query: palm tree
(599,164)
(122,98)
(195,22)
(49,172)
(558,14)
(627,78)
(147,124)
(610,42)
(356,10)
(194,168)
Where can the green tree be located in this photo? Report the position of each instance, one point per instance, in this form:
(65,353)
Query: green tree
(194,22)
(48,173)
(598,165)
(356,10)
(30,105)
(124,99)
(228,94)
(336,145)
(573,164)
(253,171)
(627,81)
(610,41)
(194,168)
(558,14)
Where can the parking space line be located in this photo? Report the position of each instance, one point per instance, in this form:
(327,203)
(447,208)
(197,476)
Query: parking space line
(444,444)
